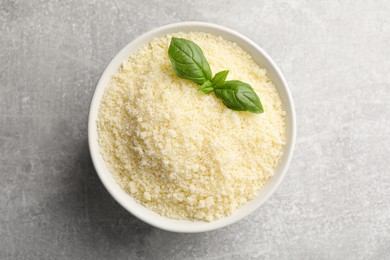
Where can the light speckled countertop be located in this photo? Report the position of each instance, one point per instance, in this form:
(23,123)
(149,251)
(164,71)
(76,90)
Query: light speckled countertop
(335,200)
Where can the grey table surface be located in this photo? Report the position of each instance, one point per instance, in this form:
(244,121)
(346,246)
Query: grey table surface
(335,200)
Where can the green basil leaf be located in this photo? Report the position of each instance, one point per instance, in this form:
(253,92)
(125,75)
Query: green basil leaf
(188,61)
(206,88)
(239,96)
(219,78)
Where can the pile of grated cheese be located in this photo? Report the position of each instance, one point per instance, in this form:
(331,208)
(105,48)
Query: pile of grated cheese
(180,152)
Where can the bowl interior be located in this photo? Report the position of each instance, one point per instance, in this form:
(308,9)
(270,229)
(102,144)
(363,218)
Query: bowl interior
(126,200)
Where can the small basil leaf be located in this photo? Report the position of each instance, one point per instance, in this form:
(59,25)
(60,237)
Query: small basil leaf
(188,61)
(219,78)
(239,96)
(206,88)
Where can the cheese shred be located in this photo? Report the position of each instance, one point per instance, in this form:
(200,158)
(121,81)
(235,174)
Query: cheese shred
(179,152)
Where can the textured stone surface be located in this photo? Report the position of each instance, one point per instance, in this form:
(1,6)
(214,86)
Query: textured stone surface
(335,200)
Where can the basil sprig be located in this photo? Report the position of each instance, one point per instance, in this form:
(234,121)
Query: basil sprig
(188,62)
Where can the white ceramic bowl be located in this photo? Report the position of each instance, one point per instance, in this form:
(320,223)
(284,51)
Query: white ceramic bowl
(124,199)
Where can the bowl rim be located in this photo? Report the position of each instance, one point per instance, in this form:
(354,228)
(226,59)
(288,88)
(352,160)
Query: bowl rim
(98,161)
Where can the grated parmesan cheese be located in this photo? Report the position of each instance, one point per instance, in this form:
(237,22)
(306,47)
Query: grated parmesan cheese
(182,153)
